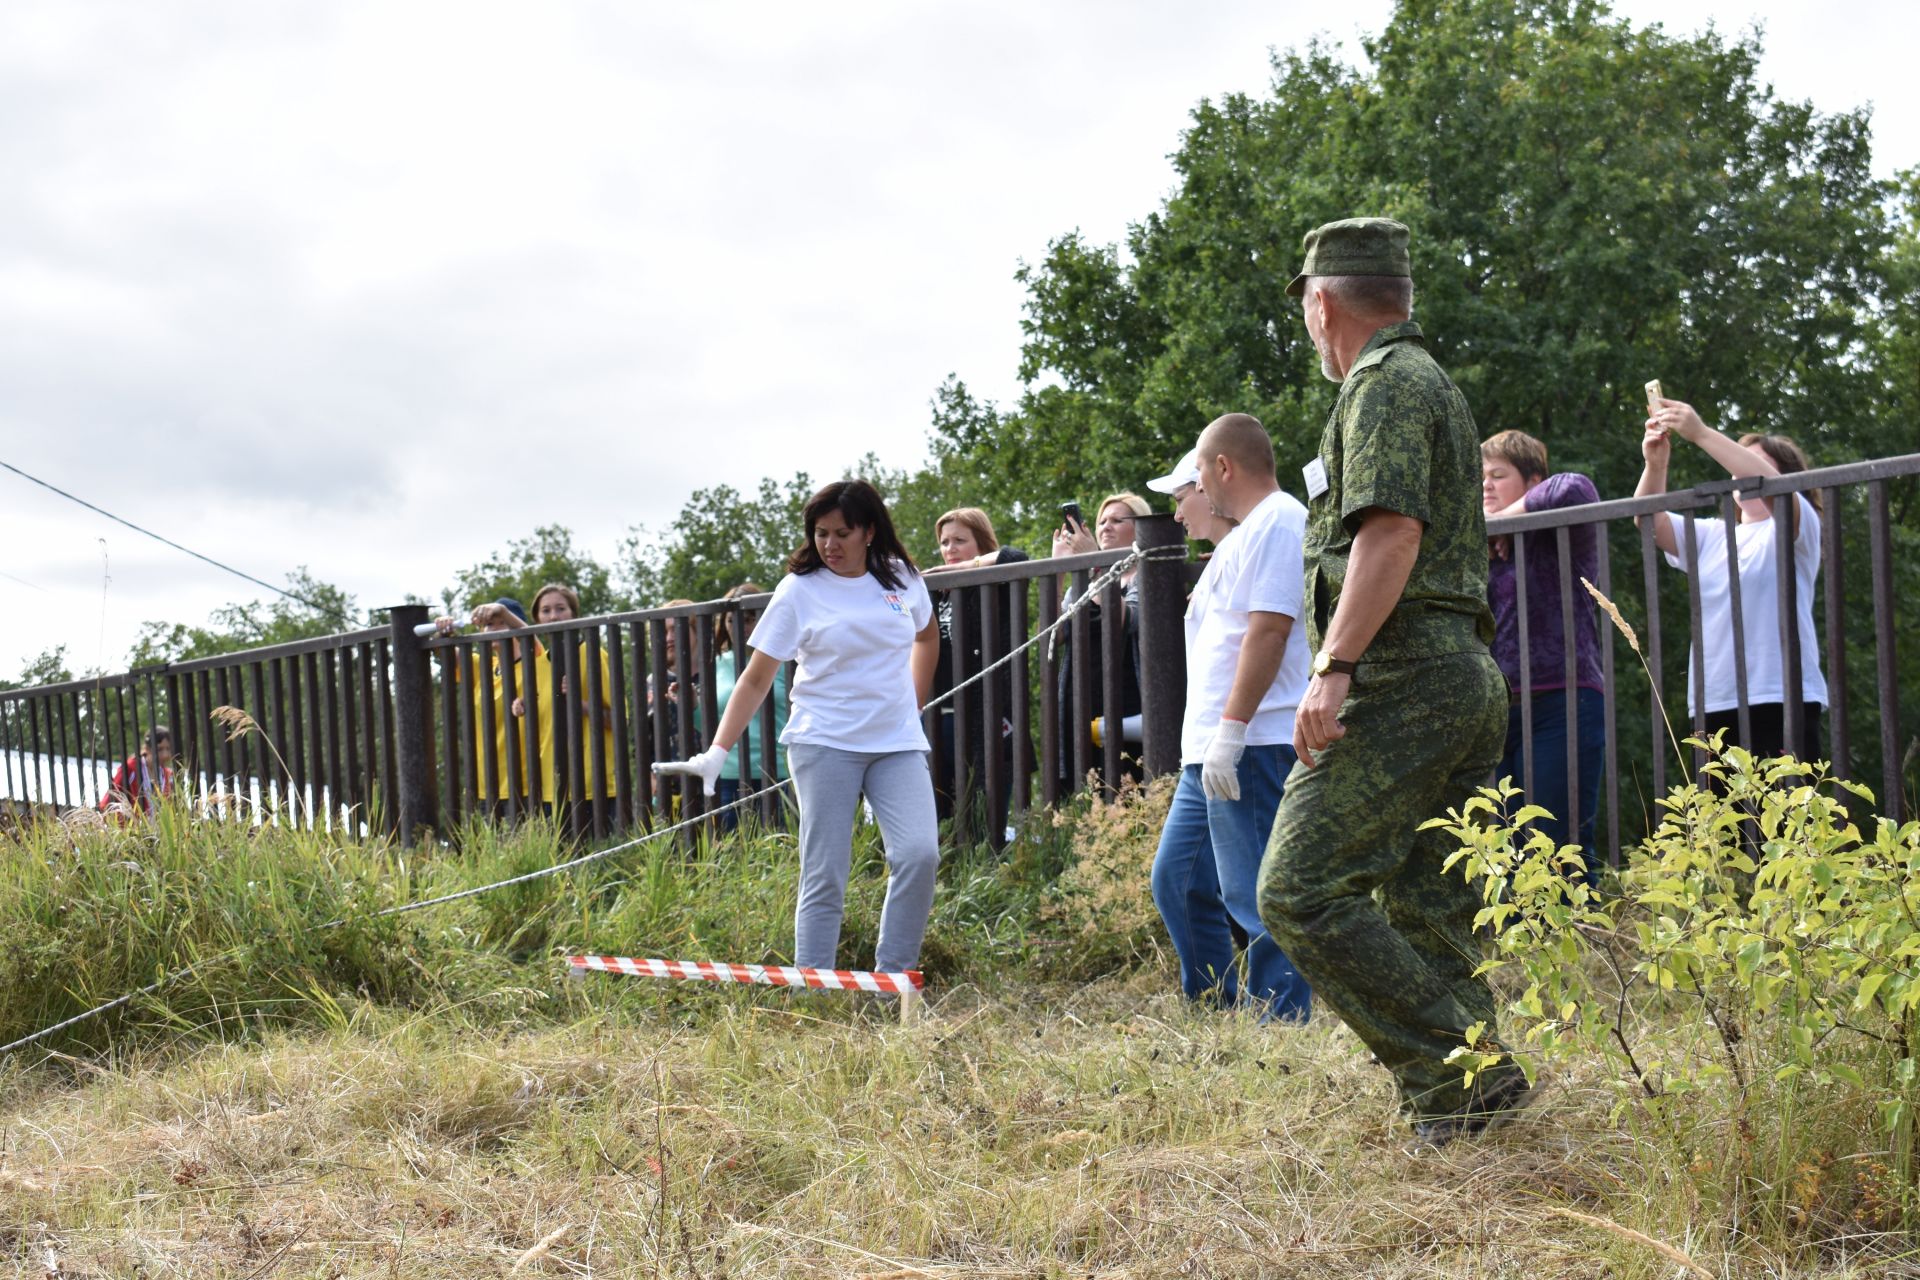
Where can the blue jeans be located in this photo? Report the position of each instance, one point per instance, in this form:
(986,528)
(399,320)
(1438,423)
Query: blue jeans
(1550,765)
(1204,875)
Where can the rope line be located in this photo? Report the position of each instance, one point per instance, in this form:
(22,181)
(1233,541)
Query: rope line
(1119,568)
(315,605)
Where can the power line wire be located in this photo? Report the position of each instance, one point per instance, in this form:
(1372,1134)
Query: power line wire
(22,581)
(336,614)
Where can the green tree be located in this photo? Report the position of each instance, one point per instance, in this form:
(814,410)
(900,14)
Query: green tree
(1592,205)
(313,608)
(50,667)
(547,555)
(720,538)
(723,537)
(1896,355)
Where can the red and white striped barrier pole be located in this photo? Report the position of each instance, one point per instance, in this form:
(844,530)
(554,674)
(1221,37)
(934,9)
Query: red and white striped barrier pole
(906,984)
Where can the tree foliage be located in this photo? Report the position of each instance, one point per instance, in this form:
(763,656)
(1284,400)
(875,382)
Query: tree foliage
(50,667)
(317,609)
(531,563)
(1591,205)
(721,538)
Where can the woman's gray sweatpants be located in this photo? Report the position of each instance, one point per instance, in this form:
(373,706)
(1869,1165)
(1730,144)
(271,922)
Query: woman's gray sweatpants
(829,783)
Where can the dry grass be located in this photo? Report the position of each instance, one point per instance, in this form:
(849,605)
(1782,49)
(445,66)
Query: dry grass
(1104,1131)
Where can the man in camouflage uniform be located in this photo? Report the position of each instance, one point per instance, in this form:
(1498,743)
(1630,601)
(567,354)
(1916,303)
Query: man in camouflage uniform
(1406,712)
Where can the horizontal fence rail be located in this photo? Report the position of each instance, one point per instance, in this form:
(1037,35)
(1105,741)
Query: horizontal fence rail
(386,731)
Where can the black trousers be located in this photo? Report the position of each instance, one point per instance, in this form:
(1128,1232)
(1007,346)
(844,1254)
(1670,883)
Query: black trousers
(1768,720)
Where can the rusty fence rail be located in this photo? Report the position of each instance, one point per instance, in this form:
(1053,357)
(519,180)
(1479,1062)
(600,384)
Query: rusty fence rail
(382,731)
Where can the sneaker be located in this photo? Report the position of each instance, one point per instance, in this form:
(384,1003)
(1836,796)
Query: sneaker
(1486,1109)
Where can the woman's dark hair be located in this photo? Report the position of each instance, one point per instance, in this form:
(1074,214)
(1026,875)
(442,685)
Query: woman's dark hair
(860,504)
(1787,458)
(723,625)
(157,735)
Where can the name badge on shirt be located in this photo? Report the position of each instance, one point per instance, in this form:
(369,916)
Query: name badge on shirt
(1316,474)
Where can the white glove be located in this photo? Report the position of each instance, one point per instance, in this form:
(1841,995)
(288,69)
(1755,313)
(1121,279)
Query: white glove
(706,766)
(1220,769)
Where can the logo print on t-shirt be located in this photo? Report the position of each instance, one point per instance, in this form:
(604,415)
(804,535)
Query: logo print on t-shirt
(894,601)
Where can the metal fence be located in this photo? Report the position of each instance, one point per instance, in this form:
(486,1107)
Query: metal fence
(1856,524)
(382,731)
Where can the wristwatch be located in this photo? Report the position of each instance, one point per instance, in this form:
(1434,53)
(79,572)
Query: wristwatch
(1324,663)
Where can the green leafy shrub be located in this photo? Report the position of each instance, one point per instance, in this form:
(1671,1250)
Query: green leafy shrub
(1752,986)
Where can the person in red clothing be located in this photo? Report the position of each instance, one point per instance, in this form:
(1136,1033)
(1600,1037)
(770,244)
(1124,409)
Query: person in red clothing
(142,778)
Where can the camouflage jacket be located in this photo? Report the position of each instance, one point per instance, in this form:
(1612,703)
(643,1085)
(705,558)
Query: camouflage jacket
(1401,438)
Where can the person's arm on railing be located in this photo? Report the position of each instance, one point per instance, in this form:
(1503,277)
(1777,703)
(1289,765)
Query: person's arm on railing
(1657,449)
(1564,489)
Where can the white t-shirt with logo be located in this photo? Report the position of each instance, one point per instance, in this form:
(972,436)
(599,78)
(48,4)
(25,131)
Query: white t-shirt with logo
(1260,567)
(853,639)
(1759,609)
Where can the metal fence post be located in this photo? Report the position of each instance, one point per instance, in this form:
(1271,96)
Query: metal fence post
(1163,643)
(412,723)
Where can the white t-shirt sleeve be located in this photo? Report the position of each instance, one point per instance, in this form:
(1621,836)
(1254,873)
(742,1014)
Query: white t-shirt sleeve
(777,634)
(1706,532)
(1275,572)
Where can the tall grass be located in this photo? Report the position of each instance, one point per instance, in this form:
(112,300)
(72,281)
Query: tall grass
(277,923)
(424,1095)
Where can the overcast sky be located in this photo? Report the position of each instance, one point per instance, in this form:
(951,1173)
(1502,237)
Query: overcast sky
(375,287)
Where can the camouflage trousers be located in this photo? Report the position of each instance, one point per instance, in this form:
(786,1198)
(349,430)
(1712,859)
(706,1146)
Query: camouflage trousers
(1352,890)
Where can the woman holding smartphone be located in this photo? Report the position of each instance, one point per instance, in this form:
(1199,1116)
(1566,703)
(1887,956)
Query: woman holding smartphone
(1113,529)
(854,615)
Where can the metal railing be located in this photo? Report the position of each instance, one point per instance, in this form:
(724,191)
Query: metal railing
(381,731)
(1842,618)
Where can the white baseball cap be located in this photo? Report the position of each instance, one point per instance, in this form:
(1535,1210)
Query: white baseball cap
(1185,472)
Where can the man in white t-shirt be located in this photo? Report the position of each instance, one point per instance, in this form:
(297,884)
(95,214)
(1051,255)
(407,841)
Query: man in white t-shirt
(1246,670)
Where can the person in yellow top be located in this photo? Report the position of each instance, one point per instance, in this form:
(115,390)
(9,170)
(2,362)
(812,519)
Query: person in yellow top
(490,683)
(556,602)
(553,603)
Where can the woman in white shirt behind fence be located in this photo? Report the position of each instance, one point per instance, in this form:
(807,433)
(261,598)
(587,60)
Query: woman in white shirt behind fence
(1753,455)
(854,614)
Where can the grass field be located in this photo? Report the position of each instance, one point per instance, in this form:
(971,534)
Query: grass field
(427,1096)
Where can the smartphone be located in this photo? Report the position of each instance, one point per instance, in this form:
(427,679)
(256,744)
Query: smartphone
(1070,512)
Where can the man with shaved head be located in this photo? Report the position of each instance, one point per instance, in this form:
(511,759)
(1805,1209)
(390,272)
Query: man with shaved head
(1406,712)
(1246,668)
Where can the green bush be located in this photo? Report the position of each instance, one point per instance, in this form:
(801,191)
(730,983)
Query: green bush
(1750,983)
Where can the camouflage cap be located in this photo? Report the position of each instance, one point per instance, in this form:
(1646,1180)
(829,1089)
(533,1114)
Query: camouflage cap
(1353,247)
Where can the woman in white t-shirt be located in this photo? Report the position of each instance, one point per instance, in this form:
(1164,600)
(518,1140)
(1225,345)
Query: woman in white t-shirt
(1753,455)
(854,615)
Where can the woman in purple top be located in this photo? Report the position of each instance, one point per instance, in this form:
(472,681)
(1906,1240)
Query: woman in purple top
(1513,481)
